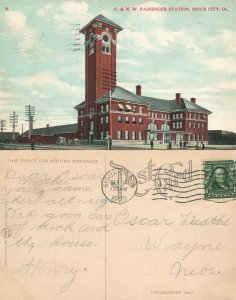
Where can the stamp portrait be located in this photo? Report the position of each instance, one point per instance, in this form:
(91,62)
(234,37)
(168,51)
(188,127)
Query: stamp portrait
(220,181)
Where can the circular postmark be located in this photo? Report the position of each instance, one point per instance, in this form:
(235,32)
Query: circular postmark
(119,185)
(6,232)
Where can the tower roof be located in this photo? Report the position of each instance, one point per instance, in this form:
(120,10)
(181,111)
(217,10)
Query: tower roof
(101,18)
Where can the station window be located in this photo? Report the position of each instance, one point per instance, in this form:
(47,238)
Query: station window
(140,120)
(106,44)
(118,135)
(127,120)
(119,119)
(126,135)
(133,135)
(105,49)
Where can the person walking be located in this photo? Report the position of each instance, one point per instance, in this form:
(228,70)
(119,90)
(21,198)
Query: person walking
(180,145)
(151,144)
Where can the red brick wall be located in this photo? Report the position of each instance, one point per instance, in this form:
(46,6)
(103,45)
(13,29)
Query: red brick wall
(100,68)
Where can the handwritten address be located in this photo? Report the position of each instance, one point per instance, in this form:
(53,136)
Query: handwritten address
(60,225)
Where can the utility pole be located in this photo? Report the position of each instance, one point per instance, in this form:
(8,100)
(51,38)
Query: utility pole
(76,44)
(30,114)
(14,124)
(2,126)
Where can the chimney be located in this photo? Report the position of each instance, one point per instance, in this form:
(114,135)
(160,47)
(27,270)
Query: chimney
(193,100)
(47,125)
(178,97)
(138,90)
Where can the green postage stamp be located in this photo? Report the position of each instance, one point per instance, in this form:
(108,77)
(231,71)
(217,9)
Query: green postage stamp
(220,179)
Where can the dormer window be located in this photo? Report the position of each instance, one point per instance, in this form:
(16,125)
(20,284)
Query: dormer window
(106,44)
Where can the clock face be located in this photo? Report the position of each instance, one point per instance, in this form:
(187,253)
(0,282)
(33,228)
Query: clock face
(105,38)
(92,39)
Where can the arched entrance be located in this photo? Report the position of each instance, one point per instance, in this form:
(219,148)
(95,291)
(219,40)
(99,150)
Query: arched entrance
(166,135)
(179,138)
(152,132)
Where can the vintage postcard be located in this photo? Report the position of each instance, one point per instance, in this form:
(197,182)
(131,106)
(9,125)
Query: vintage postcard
(156,78)
(103,227)
(117,75)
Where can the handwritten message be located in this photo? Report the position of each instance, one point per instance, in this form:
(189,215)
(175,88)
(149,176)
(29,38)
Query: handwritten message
(63,229)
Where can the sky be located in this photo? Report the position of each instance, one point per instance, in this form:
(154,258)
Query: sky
(188,47)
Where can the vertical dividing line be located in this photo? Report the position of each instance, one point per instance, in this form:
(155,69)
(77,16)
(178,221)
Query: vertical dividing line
(119,186)
(6,229)
(105,234)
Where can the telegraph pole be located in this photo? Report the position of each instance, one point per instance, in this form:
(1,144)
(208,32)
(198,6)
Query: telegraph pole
(14,124)
(30,114)
(2,126)
(76,44)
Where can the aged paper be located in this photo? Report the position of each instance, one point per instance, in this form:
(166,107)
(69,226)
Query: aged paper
(113,225)
(79,226)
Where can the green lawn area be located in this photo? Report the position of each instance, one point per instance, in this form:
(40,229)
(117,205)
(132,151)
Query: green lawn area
(156,146)
(176,147)
(222,146)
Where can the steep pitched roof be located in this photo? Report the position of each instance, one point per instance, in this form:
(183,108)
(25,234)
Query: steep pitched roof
(53,130)
(194,107)
(119,93)
(171,105)
(159,104)
(82,104)
(101,18)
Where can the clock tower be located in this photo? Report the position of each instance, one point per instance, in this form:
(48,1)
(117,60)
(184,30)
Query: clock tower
(100,59)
